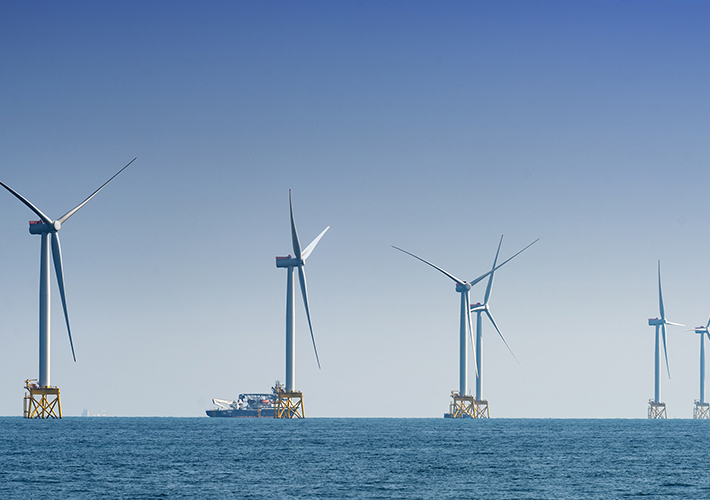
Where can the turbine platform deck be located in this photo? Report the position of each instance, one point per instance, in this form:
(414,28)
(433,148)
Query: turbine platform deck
(41,402)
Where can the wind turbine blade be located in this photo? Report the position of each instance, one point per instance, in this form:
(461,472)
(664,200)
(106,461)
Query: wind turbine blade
(665,351)
(501,265)
(708,325)
(708,334)
(294,234)
(24,200)
(660,293)
(307,251)
(71,212)
(470,333)
(460,282)
(57,257)
(511,258)
(304,292)
(673,324)
(490,280)
(490,317)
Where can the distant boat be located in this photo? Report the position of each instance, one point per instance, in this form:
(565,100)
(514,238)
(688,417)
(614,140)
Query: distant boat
(87,413)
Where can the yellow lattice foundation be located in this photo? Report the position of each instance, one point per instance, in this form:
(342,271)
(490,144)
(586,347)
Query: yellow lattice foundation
(480,409)
(289,405)
(656,410)
(41,402)
(701,410)
(462,406)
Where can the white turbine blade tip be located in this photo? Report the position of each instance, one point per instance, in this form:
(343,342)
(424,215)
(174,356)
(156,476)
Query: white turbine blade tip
(460,282)
(312,245)
(74,210)
(28,204)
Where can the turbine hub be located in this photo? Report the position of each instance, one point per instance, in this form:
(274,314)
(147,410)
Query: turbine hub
(465,287)
(57,225)
(478,307)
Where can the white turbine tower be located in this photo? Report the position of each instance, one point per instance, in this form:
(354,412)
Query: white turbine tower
(657,409)
(48,229)
(290,401)
(462,405)
(480,309)
(702,408)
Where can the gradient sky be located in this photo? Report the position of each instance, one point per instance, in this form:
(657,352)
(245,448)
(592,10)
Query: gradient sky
(432,126)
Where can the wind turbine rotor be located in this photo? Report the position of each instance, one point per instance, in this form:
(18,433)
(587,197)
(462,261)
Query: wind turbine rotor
(298,262)
(462,282)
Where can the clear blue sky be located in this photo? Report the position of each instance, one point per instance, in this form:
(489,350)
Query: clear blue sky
(433,126)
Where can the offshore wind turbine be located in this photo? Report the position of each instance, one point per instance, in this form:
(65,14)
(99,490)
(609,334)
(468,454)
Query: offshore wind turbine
(702,408)
(657,409)
(48,229)
(463,404)
(480,309)
(290,401)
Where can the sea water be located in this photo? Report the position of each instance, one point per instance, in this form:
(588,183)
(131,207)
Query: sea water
(353,458)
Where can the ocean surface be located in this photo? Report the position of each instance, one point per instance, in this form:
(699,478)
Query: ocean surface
(353,458)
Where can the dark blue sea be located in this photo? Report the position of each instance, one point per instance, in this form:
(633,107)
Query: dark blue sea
(353,458)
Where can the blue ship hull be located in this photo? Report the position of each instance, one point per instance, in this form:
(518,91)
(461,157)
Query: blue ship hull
(259,413)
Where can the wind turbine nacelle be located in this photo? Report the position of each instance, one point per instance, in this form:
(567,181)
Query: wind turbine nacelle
(463,288)
(655,322)
(288,262)
(39,227)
